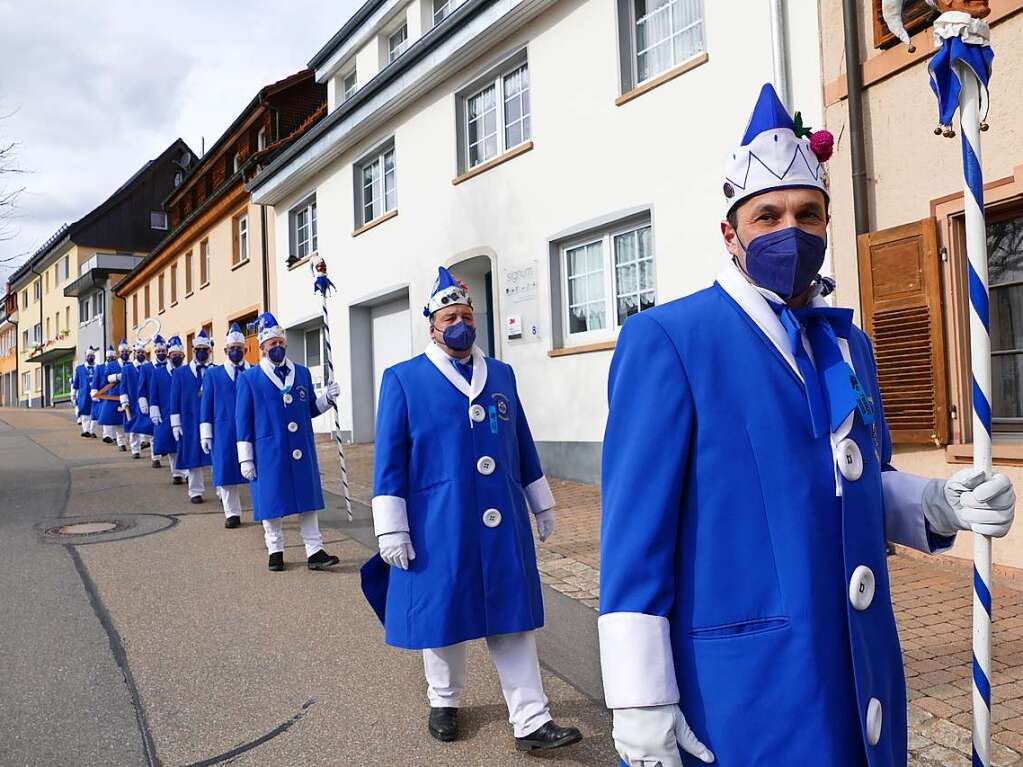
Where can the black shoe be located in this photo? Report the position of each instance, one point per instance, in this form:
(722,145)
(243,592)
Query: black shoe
(83,434)
(547,737)
(144,445)
(196,499)
(156,463)
(124,448)
(444,724)
(276,562)
(232,522)
(321,560)
(108,440)
(177,480)
(135,456)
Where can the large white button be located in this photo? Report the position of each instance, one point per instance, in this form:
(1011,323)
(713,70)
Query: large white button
(288,399)
(486,466)
(850,460)
(861,587)
(491,517)
(873,721)
(296,454)
(477,413)
(292,427)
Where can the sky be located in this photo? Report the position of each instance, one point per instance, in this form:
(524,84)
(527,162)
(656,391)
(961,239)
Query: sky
(91,91)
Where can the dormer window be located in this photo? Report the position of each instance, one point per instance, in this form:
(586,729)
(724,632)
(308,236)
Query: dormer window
(178,178)
(158,220)
(237,163)
(349,85)
(397,42)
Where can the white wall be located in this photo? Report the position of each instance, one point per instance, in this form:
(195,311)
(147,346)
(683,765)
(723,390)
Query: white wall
(591,158)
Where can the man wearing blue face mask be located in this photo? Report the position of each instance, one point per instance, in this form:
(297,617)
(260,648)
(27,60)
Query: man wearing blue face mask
(185,401)
(748,495)
(170,355)
(456,475)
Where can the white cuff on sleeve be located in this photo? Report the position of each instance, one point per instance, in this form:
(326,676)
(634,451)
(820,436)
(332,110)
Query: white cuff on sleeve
(93,393)
(154,410)
(905,523)
(124,399)
(176,419)
(205,431)
(143,403)
(539,495)
(113,378)
(322,404)
(636,660)
(390,515)
(245,451)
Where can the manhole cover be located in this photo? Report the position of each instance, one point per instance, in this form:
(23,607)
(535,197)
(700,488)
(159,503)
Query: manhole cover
(87,528)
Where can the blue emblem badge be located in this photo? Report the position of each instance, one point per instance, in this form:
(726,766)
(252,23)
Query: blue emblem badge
(501,402)
(300,390)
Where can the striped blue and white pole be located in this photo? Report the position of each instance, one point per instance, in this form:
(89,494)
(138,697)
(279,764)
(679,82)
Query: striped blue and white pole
(980,354)
(329,362)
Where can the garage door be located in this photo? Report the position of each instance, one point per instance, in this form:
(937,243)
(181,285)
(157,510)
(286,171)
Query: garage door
(392,339)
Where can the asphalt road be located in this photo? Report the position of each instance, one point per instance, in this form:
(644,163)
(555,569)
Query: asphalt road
(169,643)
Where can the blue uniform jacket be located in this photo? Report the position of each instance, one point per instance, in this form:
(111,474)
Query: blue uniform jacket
(82,384)
(274,426)
(133,384)
(185,399)
(159,403)
(216,422)
(109,412)
(734,577)
(454,464)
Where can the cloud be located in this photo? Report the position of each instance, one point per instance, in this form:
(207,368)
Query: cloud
(95,90)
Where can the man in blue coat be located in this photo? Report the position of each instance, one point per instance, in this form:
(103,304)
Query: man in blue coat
(185,402)
(217,418)
(146,375)
(455,467)
(134,378)
(748,497)
(170,355)
(276,404)
(111,416)
(81,392)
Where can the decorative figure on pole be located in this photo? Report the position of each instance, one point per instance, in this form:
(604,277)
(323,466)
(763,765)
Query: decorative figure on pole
(322,285)
(959,74)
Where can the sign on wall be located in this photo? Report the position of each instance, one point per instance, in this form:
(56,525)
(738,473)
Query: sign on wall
(520,307)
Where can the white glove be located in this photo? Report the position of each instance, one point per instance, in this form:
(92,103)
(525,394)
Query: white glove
(93,393)
(177,432)
(113,378)
(124,400)
(970,501)
(155,418)
(206,444)
(545,524)
(248,470)
(332,391)
(396,549)
(653,736)
(144,405)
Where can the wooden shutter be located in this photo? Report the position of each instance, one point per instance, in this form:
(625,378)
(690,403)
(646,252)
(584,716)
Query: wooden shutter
(916,15)
(900,290)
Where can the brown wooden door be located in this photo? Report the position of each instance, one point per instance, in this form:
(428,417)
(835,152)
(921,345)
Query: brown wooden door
(900,289)
(252,349)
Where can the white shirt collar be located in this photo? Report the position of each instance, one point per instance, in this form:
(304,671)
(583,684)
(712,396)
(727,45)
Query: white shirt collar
(230,368)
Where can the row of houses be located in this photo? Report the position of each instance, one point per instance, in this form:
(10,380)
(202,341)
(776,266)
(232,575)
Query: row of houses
(562,157)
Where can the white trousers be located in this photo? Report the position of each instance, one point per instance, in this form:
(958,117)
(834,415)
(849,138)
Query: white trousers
(134,442)
(196,482)
(518,666)
(114,432)
(176,472)
(231,498)
(86,422)
(308,527)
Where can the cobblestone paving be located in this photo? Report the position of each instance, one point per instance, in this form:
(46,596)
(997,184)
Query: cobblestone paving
(933,603)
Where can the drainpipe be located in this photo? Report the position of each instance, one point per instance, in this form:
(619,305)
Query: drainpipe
(779,42)
(265,259)
(854,86)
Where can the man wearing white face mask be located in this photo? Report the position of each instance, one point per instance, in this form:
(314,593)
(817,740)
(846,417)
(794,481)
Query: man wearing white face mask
(457,482)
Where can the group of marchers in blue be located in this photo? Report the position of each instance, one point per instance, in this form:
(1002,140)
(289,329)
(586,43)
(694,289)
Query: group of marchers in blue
(748,497)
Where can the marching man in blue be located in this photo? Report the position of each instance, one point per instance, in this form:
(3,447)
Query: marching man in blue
(455,466)
(276,404)
(748,496)
(217,419)
(185,401)
(170,355)
(81,392)
(111,417)
(146,375)
(134,379)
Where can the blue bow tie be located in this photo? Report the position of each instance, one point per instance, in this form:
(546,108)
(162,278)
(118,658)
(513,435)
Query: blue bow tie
(464,369)
(282,372)
(831,387)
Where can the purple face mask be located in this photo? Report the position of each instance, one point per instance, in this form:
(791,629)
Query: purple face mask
(236,354)
(785,261)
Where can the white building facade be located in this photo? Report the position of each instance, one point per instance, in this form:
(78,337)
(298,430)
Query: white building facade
(562,157)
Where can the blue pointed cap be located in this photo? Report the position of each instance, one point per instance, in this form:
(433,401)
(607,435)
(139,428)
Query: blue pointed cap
(158,340)
(202,333)
(444,280)
(768,114)
(268,327)
(447,291)
(234,328)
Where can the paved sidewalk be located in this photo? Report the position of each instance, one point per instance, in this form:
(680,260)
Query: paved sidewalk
(933,606)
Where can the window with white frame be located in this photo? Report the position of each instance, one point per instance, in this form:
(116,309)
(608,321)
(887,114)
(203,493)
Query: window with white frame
(349,84)
(302,220)
(606,278)
(377,185)
(241,240)
(443,8)
(397,42)
(26,382)
(495,115)
(657,35)
(37,290)
(261,139)
(97,304)
(236,163)
(158,219)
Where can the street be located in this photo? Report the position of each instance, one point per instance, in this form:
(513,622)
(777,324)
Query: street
(168,642)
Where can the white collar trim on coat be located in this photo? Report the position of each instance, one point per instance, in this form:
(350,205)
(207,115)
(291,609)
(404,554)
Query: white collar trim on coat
(443,363)
(230,369)
(193,364)
(268,369)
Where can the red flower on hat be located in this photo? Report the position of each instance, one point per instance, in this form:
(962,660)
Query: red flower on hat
(822,143)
